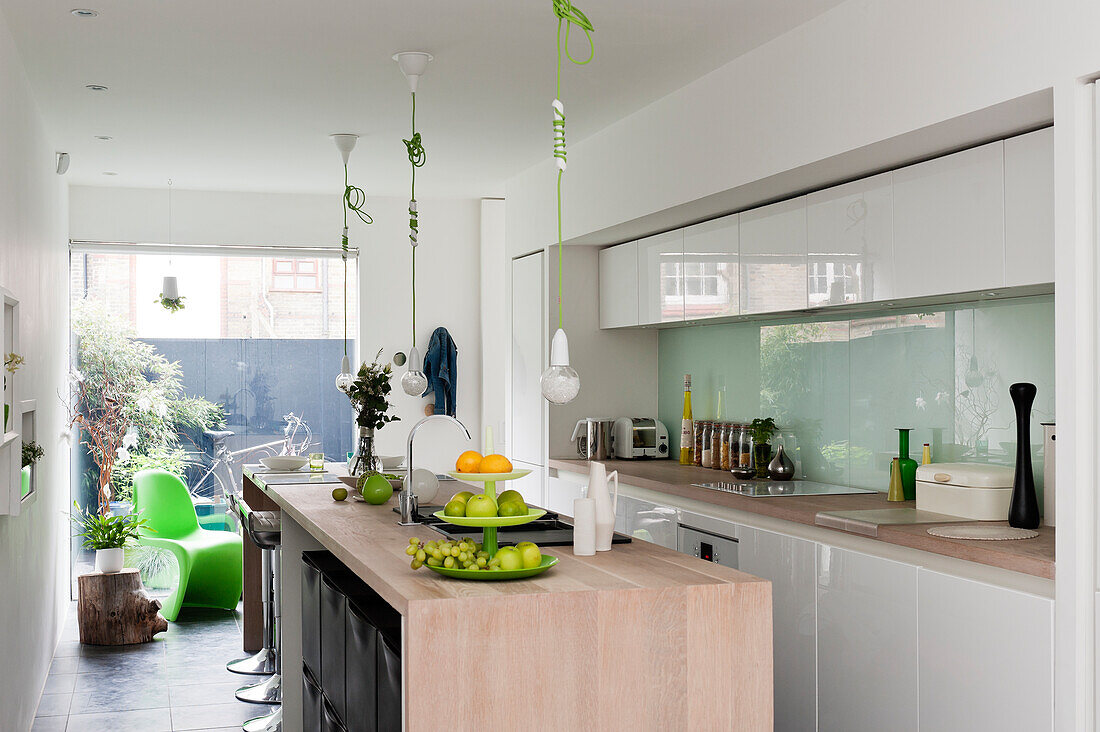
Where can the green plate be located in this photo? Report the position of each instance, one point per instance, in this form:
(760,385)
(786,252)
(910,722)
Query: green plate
(501,574)
(491,520)
(489,477)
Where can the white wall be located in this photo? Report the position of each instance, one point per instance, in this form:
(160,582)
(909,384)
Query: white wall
(34,564)
(448,273)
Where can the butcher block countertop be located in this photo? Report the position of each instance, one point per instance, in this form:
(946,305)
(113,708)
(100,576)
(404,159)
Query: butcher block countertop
(1030,556)
(593,642)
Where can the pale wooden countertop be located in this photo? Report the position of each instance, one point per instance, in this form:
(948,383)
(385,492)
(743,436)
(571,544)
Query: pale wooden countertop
(1031,556)
(369,541)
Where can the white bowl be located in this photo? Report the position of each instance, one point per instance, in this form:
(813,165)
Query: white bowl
(391,462)
(284,462)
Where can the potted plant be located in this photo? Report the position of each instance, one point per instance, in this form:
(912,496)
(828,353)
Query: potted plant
(762,431)
(368,398)
(108,536)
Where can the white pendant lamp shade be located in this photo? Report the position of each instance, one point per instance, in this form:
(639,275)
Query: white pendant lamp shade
(413,65)
(414,382)
(170,289)
(560,383)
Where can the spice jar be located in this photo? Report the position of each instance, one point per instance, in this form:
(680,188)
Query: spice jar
(697,455)
(708,448)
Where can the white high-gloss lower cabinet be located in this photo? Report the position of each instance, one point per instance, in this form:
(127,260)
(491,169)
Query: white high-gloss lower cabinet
(866,643)
(790,565)
(949,223)
(619,286)
(1029,208)
(646,521)
(985,657)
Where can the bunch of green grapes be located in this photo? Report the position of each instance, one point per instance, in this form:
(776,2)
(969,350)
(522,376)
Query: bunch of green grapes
(464,554)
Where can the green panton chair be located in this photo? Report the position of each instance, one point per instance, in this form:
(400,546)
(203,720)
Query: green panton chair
(210,562)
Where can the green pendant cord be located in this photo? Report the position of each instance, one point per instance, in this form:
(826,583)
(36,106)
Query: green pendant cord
(417,158)
(354,200)
(567,15)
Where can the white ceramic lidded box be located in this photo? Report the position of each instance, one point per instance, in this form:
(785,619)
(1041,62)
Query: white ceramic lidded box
(970,490)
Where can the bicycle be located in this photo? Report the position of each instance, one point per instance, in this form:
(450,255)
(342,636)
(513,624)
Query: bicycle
(210,478)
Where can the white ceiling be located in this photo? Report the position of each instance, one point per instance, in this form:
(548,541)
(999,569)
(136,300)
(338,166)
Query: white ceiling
(241,95)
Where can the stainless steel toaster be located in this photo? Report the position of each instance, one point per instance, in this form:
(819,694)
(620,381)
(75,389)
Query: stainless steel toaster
(639,437)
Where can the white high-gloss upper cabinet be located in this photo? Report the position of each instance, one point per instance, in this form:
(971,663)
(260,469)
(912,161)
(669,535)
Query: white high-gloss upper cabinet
(661,278)
(866,643)
(646,521)
(773,257)
(985,657)
(1029,208)
(850,241)
(528,328)
(789,564)
(619,286)
(711,274)
(949,226)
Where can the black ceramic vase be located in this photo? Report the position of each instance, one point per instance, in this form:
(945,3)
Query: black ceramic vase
(1023,511)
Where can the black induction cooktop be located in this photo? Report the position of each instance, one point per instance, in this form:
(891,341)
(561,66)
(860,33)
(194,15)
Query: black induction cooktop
(549,530)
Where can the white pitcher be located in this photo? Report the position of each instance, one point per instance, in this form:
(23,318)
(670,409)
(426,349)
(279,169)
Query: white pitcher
(598,478)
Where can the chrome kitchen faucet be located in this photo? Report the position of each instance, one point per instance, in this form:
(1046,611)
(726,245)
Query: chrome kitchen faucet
(406,499)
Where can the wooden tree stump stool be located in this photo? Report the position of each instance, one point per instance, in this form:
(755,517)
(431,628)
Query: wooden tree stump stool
(115,610)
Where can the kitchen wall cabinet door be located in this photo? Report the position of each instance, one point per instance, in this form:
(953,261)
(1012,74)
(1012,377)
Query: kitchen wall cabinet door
(949,225)
(560,493)
(661,278)
(646,521)
(985,656)
(866,643)
(790,565)
(773,257)
(712,279)
(528,417)
(850,240)
(1029,208)
(619,286)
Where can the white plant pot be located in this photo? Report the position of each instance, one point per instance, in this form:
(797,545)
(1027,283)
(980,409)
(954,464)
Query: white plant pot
(109,561)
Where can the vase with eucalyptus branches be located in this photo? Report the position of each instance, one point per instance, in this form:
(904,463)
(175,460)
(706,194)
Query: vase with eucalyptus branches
(368,394)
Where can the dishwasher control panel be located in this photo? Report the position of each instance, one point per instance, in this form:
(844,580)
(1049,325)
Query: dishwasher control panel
(711,547)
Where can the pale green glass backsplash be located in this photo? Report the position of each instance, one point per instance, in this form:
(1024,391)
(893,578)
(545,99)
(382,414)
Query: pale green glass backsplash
(840,388)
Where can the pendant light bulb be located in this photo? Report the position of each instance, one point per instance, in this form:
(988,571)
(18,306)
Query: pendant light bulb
(413,65)
(345,143)
(414,382)
(560,383)
(344,380)
(169,288)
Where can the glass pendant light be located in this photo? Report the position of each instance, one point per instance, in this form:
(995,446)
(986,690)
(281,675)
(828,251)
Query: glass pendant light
(354,200)
(413,64)
(561,383)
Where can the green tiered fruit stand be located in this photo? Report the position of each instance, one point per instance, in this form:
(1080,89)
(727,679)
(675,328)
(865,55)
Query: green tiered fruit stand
(489,525)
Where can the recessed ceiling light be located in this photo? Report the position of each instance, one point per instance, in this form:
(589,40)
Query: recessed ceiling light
(109,172)
(84,12)
(105,138)
(95,87)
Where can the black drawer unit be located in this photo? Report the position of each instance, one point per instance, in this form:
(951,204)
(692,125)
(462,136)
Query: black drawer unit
(311,703)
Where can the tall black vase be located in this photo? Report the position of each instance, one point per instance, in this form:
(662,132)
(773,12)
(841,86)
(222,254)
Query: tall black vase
(1023,511)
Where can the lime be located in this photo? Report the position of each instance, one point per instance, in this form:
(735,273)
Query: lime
(377,490)
(339,494)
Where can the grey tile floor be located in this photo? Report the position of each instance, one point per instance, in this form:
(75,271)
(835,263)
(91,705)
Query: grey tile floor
(177,682)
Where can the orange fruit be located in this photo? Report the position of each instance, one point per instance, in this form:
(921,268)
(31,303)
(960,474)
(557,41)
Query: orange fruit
(495,464)
(468,462)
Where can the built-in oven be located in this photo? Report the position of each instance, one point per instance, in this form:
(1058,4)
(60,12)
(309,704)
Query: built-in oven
(705,545)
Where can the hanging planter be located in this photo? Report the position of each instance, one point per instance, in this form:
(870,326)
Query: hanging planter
(561,383)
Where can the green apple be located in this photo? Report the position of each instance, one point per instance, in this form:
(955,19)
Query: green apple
(481,506)
(512,508)
(455,508)
(509,558)
(530,553)
(377,490)
(462,496)
(509,495)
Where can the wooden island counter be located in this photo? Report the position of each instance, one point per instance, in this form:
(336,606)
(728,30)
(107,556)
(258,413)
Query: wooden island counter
(641,637)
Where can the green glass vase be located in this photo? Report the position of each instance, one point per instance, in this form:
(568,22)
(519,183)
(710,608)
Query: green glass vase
(908,467)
